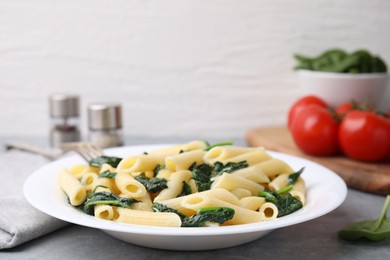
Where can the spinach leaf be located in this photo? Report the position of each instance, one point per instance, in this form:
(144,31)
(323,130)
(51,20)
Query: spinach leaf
(339,61)
(220,168)
(209,147)
(105,198)
(100,160)
(159,207)
(213,214)
(373,230)
(186,190)
(158,168)
(203,173)
(154,184)
(202,176)
(293,177)
(285,202)
(107,174)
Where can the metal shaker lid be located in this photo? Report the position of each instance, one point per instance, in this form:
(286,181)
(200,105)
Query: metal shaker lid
(64,105)
(104,116)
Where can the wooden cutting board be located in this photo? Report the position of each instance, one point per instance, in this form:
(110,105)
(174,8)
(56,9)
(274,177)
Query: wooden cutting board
(368,177)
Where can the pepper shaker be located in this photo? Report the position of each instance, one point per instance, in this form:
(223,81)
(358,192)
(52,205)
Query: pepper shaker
(105,125)
(64,114)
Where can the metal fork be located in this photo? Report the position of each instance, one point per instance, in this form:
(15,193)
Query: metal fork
(87,150)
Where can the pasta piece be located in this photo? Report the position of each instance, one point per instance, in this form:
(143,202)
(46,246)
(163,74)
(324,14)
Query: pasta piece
(195,145)
(241,215)
(184,160)
(222,194)
(229,182)
(104,212)
(164,174)
(75,191)
(106,167)
(176,149)
(141,206)
(268,211)
(80,169)
(222,153)
(175,185)
(88,180)
(279,182)
(129,186)
(144,203)
(106,182)
(138,163)
(193,186)
(102,189)
(274,167)
(148,218)
(176,204)
(253,157)
(252,202)
(240,192)
(148,174)
(217,193)
(299,190)
(253,174)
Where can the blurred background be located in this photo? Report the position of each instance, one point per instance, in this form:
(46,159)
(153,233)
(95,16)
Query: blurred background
(180,68)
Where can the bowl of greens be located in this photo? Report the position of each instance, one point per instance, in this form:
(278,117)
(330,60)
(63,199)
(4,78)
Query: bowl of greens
(338,76)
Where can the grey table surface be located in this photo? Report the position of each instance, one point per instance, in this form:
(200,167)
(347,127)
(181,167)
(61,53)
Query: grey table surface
(315,239)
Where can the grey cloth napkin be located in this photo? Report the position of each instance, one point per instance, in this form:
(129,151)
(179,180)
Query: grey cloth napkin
(19,221)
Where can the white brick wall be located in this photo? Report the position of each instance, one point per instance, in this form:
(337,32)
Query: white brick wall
(180,68)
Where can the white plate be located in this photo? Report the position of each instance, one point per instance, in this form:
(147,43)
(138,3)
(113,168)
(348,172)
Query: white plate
(325,192)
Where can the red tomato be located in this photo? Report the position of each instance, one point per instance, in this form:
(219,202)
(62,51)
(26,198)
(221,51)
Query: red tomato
(314,131)
(302,103)
(365,136)
(345,108)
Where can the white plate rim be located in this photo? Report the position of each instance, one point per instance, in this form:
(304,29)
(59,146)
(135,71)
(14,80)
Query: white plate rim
(68,213)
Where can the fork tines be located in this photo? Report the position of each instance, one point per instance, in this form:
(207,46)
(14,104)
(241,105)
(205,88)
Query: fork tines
(87,150)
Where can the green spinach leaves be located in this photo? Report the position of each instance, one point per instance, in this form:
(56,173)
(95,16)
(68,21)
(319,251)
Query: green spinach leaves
(336,60)
(211,214)
(373,230)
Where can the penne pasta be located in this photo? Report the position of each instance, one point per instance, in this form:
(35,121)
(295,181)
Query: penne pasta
(299,190)
(217,193)
(88,180)
(129,186)
(183,161)
(279,182)
(139,163)
(147,218)
(273,167)
(75,191)
(252,202)
(240,192)
(80,169)
(106,212)
(222,153)
(268,211)
(253,174)
(177,149)
(241,215)
(229,182)
(252,157)
(175,185)
(160,187)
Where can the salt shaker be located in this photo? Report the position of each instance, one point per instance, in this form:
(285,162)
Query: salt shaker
(64,114)
(105,124)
